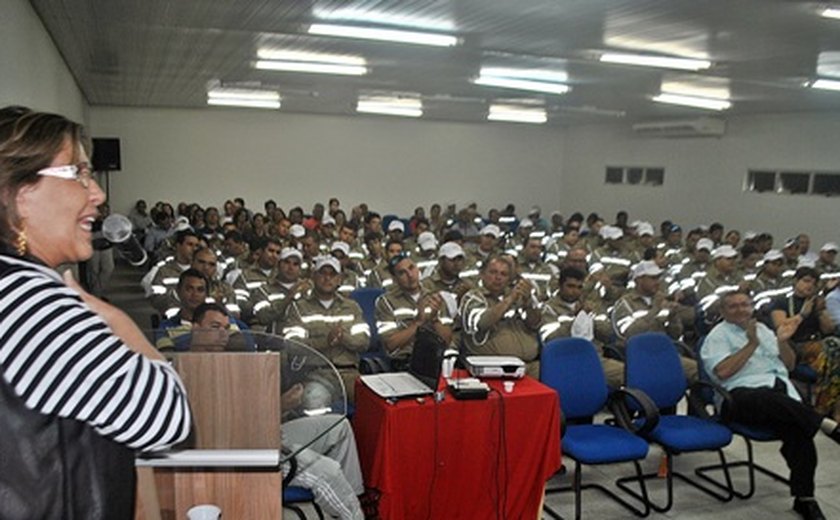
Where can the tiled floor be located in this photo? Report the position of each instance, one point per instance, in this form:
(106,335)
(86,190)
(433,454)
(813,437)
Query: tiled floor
(771,499)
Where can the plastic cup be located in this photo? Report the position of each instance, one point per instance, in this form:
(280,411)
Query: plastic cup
(509,386)
(204,512)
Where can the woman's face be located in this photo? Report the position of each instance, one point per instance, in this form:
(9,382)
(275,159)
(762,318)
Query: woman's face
(56,214)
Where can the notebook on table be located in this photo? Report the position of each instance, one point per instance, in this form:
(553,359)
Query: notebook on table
(423,370)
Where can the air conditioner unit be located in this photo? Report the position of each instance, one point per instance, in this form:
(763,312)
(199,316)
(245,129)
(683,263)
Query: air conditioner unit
(699,127)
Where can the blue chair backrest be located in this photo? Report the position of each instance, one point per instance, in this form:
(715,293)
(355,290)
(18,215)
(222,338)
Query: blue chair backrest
(366,298)
(571,366)
(653,366)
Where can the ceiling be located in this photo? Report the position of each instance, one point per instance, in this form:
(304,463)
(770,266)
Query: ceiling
(167,53)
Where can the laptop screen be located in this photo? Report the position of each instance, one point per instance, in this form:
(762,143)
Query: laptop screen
(426,356)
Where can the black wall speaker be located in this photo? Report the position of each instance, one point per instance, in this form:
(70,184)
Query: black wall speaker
(106,154)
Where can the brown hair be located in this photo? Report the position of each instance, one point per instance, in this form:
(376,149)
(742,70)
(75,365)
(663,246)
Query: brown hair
(29,141)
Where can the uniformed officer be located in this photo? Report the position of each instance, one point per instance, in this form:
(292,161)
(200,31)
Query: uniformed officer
(253,277)
(498,319)
(646,309)
(331,324)
(218,290)
(560,312)
(163,278)
(273,298)
(404,308)
(532,268)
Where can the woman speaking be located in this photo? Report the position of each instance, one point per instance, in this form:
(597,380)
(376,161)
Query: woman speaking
(81,389)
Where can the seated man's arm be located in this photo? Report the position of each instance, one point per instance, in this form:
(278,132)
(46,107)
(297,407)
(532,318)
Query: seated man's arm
(492,314)
(393,337)
(357,338)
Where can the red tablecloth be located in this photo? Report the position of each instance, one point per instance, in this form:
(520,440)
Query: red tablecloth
(460,459)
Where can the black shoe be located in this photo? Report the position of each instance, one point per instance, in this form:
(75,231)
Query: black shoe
(808,509)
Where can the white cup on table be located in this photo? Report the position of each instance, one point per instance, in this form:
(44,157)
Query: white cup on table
(204,512)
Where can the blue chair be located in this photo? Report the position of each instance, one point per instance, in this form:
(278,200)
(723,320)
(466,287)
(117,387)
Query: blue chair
(571,366)
(653,366)
(374,360)
(294,495)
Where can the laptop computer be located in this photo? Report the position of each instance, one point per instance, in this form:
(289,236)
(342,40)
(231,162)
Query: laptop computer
(423,370)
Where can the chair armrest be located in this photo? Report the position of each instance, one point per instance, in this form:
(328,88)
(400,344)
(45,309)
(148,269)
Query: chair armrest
(374,364)
(700,397)
(684,350)
(804,373)
(613,352)
(648,414)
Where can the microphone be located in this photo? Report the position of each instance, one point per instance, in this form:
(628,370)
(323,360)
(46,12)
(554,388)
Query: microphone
(117,230)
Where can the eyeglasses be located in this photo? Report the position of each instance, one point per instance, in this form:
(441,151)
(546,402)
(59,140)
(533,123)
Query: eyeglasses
(72,172)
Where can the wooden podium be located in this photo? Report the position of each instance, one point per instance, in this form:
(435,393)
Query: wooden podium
(234,456)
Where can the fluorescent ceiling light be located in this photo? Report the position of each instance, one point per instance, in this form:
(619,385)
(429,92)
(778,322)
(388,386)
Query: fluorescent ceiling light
(244,98)
(388,35)
(693,101)
(522,84)
(826,84)
(351,14)
(315,68)
(696,86)
(532,74)
(235,93)
(312,57)
(664,62)
(392,106)
(246,103)
(516,114)
(831,12)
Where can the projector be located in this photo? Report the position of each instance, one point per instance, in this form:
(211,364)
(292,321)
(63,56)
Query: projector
(496,366)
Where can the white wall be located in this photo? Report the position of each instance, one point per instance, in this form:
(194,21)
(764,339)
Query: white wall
(394,165)
(34,74)
(704,178)
(208,155)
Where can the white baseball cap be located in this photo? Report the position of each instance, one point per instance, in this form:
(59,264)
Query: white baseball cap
(704,243)
(327,260)
(491,229)
(644,228)
(396,224)
(724,251)
(772,255)
(297,231)
(451,250)
(427,240)
(646,268)
(338,245)
(290,251)
(611,232)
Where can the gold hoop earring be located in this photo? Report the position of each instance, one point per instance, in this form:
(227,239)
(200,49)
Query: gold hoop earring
(20,243)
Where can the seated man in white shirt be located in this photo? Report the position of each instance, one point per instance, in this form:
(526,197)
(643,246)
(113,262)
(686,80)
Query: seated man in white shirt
(752,363)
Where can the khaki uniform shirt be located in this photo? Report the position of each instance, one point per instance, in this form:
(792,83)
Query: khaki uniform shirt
(614,262)
(249,286)
(634,315)
(557,318)
(164,285)
(540,275)
(310,322)
(397,310)
(510,336)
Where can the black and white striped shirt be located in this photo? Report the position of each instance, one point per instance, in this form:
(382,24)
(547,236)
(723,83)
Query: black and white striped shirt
(62,359)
